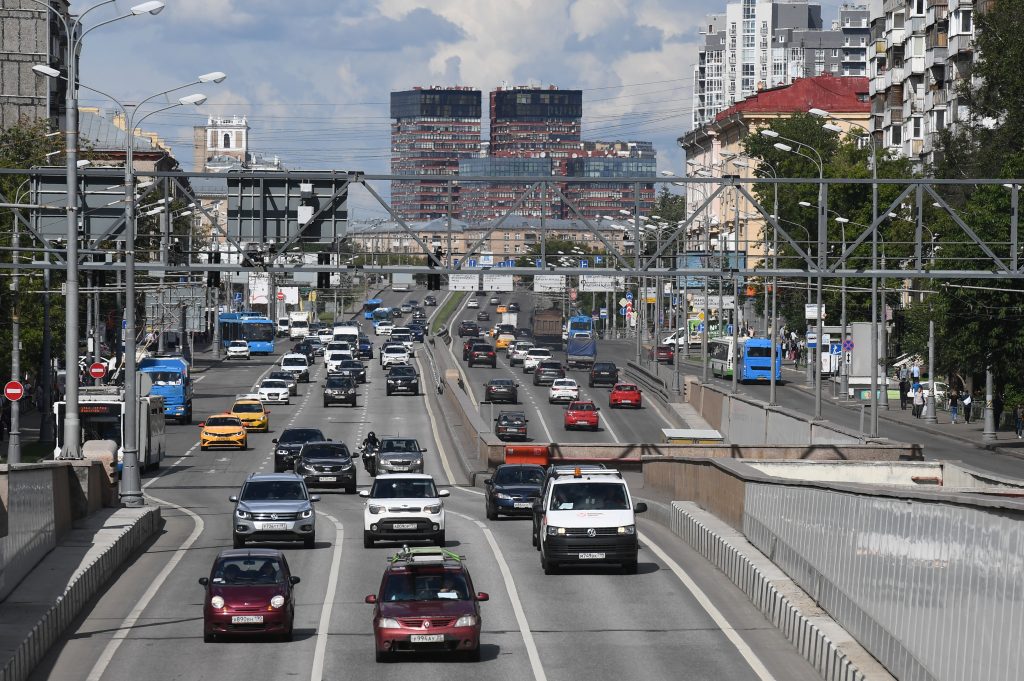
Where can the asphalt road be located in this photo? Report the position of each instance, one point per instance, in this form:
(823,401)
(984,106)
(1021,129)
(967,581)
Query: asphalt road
(677,618)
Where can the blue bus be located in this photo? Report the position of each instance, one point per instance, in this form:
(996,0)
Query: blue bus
(755,359)
(369,306)
(580,324)
(258,332)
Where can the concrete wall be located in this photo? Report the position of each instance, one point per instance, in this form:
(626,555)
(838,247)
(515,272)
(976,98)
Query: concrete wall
(786,428)
(699,481)
(747,422)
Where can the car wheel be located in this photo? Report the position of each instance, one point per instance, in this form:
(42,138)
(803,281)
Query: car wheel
(326,403)
(309,542)
(380,656)
(387,392)
(245,444)
(289,635)
(351,489)
(208,637)
(629,568)
(440,539)
(203,448)
(368,544)
(546,565)
(473,655)
(238,542)
(491,513)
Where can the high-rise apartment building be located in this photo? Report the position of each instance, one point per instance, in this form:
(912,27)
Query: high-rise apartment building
(530,122)
(431,129)
(761,44)
(29,35)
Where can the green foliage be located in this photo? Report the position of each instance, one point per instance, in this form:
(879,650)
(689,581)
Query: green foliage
(671,208)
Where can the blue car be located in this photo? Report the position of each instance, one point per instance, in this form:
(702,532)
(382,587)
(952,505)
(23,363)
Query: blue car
(365,348)
(418,331)
(512,489)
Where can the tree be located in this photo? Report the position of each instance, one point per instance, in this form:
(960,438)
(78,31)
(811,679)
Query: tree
(671,208)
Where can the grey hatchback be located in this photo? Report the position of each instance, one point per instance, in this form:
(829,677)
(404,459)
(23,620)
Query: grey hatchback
(274,507)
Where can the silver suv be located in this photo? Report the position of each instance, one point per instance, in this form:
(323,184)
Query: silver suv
(274,507)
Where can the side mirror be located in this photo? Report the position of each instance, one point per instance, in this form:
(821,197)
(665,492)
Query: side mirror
(364,492)
(483,596)
(205,581)
(355,454)
(294,580)
(423,450)
(233,499)
(443,493)
(274,440)
(314,498)
(489,481)
(202,424)
(640,507)
(370,599)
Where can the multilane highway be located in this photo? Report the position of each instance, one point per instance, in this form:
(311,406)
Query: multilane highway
(677,618)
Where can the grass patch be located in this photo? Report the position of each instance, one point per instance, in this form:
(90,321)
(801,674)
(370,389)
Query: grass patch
(445,312)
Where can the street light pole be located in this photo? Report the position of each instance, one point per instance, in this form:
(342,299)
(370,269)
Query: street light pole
(14,446)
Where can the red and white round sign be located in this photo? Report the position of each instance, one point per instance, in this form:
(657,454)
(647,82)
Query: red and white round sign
(97,369)
(280,295)
(14,391)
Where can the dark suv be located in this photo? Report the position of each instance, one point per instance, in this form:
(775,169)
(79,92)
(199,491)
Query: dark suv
(290,442)
(327,464)
(547,371)
(482,353)
(603,373)
(511,425)
(340,389)
(402,378)
(501,390)
(468,328)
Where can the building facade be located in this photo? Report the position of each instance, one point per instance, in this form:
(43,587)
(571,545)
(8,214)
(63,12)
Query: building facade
(528,122)
(30,35)
(431,130)
(222,144)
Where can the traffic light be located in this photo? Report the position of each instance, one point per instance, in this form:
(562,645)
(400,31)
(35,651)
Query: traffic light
(434,280)
(213,276)
(323,279)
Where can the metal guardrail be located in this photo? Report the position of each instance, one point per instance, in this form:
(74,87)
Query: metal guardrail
(651,383)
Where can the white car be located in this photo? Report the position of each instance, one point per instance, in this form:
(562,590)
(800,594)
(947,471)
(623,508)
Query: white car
(338,345)
(383,328)
(297,365)
(274,390)
(393,355)
(563,390)
(473,303)
(238,349)
(403,507)
(335,358)
(517,352)
(325,335)
(534,356)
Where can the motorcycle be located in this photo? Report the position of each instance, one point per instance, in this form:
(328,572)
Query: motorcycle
(369,457)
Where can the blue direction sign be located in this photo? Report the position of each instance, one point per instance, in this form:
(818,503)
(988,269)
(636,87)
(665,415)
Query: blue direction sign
(455,263)
(584,263)
(835,348)
(622,312)
(728,329)
(238,296)
(629,296)
(538,263)
(471,262)
(700,327)
(598,259)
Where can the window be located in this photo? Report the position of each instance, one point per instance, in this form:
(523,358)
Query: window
(896,137)
(965,21)
(227,140)
(940,119)
(835,53)
(916,127)
(897,20)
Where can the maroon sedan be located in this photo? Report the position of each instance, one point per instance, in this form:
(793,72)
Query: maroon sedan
(249,591)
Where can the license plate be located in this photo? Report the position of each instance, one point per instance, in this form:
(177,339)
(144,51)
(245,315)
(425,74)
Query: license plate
(426,638)
(404,526)
(273,526)
(247,619)
(591,556)
(522,504)
(328,478)
(626,401)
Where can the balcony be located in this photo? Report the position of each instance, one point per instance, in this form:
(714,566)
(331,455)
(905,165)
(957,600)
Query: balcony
(893,76)
(961,43)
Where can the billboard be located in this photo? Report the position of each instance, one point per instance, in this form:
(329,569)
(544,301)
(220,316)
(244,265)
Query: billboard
(291,294)
(548,283)
(701,260)
(599,283)
(163,308)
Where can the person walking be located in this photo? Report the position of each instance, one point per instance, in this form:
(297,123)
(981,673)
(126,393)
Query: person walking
(905,394)
(1018,418)
(918,402)
(967,401)
(915,372)
(954,405)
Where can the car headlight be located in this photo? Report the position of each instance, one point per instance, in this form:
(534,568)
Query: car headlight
(466,621)
(502,495)
(552,530)
(374,509)
(308,513)
(277,601)
(282,452)
(391,380)
(433,509)
(245,515)
(216,602)
(627,529)
(303,466)
(388,623)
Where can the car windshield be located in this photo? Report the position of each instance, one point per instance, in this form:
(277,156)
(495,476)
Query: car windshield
(519,475)
(273,490)
(399,445)
(351,364)
(625,388)
(166,377)
(403,372)
(326,450)
(511,419)
(301,435)
(501,382)
(604,367)
(425,586)
(294,362)
(404,488)
(550,366)
(564,383)
(582,406)
(214,421)
(338,382)
(244,571)
(282,375)
(273,383)
(592,496)
(248,408)
(239,344)
(538,352)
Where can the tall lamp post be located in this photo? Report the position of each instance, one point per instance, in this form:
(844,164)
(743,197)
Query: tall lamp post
(74,36)
(14,445)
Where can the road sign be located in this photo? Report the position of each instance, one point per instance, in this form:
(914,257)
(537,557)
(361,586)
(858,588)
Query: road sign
(812,339)
(280,295)
(849,358)
(700,327)
(835,348)
(598,259)
(238,298)
(538,263)
(603,313)
(124,324)
(14,391)
(97,369)
(848,346)
(622,302)
(584,263)
(455,263)
(728,329)
(629,296)
(471,262)
(811,311)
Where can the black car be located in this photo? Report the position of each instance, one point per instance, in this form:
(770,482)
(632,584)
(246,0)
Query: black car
(546,372)
(365,347)
(288,446)
(352,368)
(483,316)
(341,389)
(468,328)
(513,307)
(306,349)
(403,379)
(430,301)
(511,425)
(603,373)
(396,312)
(501,390)
(482,353)
(513,489)
(288,377)
(522,333)
(327,464)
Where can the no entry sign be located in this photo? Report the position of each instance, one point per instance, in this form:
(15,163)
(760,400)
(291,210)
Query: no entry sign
(14,391)
(97,370)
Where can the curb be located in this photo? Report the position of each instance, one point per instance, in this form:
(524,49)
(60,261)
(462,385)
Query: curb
(82,588)
(829,648)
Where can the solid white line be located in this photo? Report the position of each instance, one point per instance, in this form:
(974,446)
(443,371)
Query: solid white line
(513,596)
(99,669)
(436,435)
(319,653)
(730,633)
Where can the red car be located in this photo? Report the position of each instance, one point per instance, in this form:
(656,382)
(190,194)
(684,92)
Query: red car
(249,591)
(426,603)
(581,414)
(625,395)
(665,354)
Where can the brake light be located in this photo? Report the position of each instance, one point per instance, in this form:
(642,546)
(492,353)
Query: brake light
(490,354)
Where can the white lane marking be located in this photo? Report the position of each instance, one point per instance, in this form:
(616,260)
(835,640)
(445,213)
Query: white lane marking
(199,378)
(513,596)
(730,633)
(163,470)
(320,652)
(436,435)
(451,351)
(471,491)
(99,669)
(530,396)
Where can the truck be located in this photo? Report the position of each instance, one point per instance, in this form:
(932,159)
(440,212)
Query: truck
(510,318)
(298,327)
(402,282)
(547,327)
(581,352)
(170,379)
(101,411)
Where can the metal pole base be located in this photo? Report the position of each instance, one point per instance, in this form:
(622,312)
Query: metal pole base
(929,410)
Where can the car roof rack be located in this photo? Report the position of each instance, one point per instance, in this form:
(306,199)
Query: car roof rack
(421,555)
(581,471)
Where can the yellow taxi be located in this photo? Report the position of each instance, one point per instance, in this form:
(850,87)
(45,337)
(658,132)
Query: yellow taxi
(501,309)
(504,339)
(253,415)
(223,430)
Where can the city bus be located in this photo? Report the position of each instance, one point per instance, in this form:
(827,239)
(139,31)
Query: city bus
(369,306)
(258,332)
(754,359)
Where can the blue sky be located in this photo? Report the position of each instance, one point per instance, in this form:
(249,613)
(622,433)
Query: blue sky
(313,76)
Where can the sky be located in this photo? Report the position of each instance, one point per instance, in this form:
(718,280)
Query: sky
(314,76)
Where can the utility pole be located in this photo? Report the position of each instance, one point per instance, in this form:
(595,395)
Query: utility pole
(14,446)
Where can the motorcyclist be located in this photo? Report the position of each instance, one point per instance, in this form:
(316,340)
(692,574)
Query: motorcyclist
(371,441)
(370,446)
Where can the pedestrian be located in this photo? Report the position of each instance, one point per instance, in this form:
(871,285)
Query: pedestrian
(904,373)
(967,401)
(905,394)
(997,409)
(918,402)
(1018,418)
(915,372)
(954,405)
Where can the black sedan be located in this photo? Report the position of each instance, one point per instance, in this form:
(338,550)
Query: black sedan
(511,425)
(402,379)
(468,328)
(603,373)
(307,350)
(327,464)
(430,301)
(501,390)
(513,489)
(352,368)
(288,446)
(483,316)
(340,389)
(513,307)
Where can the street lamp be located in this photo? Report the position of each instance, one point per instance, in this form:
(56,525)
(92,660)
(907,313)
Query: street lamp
(74,35)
